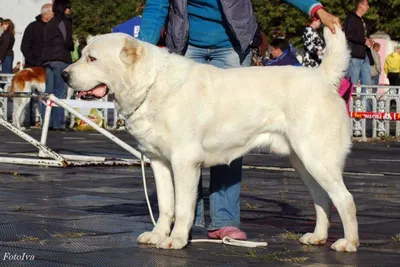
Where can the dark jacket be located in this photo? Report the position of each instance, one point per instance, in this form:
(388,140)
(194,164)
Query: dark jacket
(32,43)
(239,15)
(356,35)
(7,41)
(286,59)
(57,40)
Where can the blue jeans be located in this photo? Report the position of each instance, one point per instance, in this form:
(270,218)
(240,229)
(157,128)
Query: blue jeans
(375,80)
(55,85)
(360,70)
(7,64)
(224,180)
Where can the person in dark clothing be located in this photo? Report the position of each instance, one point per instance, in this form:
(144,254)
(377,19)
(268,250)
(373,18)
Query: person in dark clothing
(280,52)
(7,41)
(31,48)
(357,37)
(32,40)
(1,28)
(56,56)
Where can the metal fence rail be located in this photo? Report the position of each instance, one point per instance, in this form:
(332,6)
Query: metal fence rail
(379,107)
(373,113)
(5,83)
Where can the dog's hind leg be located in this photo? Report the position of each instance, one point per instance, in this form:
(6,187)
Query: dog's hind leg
(186,168)
(19,105)
(324,163)
(165,195)
(322,203)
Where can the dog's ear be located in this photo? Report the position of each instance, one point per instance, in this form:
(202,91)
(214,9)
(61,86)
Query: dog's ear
(131,52)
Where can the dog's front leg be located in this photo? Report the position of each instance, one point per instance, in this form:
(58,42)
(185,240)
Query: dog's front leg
(165,194)
(186,178)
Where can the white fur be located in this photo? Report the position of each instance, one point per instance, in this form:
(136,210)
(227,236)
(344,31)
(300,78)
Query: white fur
(187,115)
(20,103)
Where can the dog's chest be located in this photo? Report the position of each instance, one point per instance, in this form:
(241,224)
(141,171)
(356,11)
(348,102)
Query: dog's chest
(144,132)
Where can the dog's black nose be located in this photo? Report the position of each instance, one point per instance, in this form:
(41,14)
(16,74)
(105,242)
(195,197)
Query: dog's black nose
(65,76)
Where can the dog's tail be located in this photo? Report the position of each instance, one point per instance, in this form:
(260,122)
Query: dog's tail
(337,56)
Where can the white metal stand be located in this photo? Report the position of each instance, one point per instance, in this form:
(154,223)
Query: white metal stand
(48,157)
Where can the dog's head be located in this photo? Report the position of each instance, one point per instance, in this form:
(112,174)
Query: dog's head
(109,64)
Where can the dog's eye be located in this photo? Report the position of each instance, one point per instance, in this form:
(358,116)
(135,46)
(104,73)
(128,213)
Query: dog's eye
(91,59)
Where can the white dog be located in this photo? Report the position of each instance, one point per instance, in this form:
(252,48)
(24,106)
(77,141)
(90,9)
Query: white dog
(187,115)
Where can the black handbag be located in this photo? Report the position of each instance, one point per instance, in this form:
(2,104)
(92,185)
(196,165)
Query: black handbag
(369,54)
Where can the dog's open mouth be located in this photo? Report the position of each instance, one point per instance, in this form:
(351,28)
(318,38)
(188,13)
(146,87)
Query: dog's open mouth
(97,92)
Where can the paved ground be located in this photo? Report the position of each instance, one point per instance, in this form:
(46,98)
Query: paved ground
(91,216)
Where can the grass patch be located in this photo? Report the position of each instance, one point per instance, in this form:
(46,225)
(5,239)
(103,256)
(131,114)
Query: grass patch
(281,256)
(69,235)
(396,238)
(381,196)
(289,235)
(251,207)
(20,208)
(31,239)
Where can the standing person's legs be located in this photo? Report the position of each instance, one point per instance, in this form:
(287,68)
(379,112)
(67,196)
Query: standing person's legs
(375,80)
(7,64)
(200,56)
(365,79)
(60,91)
(354,70)
(394,78)
(225,180)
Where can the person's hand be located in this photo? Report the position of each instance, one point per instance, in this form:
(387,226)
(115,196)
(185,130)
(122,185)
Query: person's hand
(328,19)
(369,42)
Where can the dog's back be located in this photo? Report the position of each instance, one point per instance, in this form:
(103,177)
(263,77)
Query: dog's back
(26,79)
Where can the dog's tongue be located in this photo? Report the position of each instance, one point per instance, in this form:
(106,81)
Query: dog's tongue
(98,91)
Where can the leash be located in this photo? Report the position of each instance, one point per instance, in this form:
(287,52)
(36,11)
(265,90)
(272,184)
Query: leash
(226,240)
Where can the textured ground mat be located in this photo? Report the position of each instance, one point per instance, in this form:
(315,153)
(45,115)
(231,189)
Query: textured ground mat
(91,216)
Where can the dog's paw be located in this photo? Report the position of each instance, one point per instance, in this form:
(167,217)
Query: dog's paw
(312,239)
(172,243)
(20,128)
(344,245)
(150,238)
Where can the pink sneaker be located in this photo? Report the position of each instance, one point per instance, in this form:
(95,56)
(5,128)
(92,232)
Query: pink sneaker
(231,231)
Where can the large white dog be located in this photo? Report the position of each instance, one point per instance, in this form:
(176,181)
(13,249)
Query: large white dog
(187,115)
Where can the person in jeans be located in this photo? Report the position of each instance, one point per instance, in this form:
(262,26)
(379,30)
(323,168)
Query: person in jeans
(56,56)
(219,33)
(356,34)
(376,68)
(7,41)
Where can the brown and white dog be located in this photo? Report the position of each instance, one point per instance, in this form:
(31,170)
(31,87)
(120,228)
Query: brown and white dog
(29,80)
(26,80)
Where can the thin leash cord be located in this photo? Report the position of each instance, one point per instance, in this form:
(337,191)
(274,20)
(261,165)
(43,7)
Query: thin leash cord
(226,240)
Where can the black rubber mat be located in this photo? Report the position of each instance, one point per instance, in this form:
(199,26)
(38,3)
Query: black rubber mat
(91,216)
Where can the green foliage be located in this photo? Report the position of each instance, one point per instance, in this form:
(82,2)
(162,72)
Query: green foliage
(100,16)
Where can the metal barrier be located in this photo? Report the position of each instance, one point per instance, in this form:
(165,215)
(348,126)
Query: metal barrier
(48,157)
(380,121)
(5,83)
(383,112)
